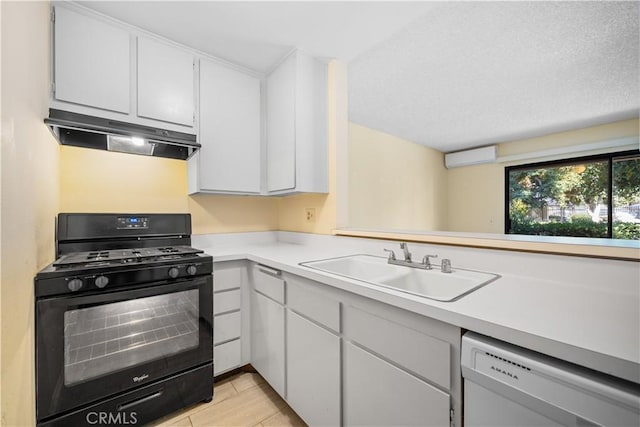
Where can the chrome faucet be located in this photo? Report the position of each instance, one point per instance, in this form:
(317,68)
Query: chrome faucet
(405,249)
(425,264)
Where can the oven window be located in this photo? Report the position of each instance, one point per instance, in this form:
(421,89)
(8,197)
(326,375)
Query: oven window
(110,337)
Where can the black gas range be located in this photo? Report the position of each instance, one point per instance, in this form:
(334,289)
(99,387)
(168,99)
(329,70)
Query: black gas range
(123,320)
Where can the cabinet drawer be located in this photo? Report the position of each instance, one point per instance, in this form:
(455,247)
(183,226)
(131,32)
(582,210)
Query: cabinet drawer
(267,282)
(226,301)
(226,278)
(424,355)
(313,305)
(379,394)
(226,327)
(226,356)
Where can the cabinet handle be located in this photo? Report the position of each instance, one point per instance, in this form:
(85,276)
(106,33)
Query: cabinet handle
(270,271)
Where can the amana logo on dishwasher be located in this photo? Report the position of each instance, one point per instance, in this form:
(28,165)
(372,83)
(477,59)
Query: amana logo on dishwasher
(506,373)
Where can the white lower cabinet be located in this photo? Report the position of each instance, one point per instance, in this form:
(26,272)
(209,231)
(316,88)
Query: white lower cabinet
(228,316)
(342,359)
(313,371)
(267,340)
(376,393)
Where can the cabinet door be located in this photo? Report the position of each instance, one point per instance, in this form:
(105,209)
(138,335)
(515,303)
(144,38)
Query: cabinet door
(229,130)
(267,340)
(91,62)
(281,132)
(313,372)
(165,83)
(379,394)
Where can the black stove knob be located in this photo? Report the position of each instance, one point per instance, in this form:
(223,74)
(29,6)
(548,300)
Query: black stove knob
(174,272)
(102,281)
(192,270)
(75,284)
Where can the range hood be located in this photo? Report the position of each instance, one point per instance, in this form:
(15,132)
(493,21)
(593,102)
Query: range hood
(85,131)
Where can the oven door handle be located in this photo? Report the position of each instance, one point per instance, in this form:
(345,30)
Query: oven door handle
(136,402)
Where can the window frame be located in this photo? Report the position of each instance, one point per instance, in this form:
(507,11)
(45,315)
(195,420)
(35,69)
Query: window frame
(608,157)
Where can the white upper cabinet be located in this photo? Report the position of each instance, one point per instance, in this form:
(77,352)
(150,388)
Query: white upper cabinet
(165,83)
(105,68)
(92,62)
(297,126)
(281,127)
(229,160)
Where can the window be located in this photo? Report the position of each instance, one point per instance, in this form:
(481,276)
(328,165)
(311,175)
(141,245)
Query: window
(595,196)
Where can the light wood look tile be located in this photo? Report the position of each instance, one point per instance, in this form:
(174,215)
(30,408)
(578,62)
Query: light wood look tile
(242,400)
(245,381)
(223,391)
(182,422)
(285,417)
(248,408)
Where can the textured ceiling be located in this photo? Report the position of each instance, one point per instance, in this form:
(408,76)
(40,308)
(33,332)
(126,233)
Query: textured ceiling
(258,34)
(475,73)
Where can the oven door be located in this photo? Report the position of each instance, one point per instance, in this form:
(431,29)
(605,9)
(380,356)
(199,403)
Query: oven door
(94,346)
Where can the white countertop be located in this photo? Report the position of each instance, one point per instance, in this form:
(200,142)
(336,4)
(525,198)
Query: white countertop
(593,326)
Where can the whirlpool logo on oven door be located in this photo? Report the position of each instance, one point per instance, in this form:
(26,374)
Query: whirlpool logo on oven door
(140,378)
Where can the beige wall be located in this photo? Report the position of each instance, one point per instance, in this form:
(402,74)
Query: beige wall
(476,193)
(102,181)
(476,199)
(29,196)
(394,183)
(231,214)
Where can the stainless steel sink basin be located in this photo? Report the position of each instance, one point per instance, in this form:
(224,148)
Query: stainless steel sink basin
(432,284)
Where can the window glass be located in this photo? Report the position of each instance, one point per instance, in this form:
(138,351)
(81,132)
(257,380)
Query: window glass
(574,197)
(626,198)
(110,337)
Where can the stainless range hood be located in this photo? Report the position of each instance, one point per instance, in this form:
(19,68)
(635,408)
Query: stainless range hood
(80,130)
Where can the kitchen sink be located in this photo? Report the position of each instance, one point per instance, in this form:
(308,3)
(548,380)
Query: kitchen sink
(432,284)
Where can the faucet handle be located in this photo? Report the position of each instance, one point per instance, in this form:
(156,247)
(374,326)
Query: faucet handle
(445,267)
(392,255)
(427,262)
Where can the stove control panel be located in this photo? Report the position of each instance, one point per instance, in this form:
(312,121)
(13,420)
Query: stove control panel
(132,222)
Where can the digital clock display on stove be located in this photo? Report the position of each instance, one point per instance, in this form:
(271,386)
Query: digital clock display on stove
(132,222)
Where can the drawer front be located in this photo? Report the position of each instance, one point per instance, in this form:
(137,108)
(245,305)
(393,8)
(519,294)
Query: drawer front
(226,301)
(313,305)
(226,278)
(268,282)
(227,356)
(408,348)
(226,327)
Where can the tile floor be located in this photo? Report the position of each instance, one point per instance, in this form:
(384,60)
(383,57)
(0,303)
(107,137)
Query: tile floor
(244,399)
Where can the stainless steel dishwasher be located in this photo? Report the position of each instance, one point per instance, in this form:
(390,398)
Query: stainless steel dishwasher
(505,385)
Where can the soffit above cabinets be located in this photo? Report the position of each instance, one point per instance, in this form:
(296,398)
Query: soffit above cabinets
(259,34)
